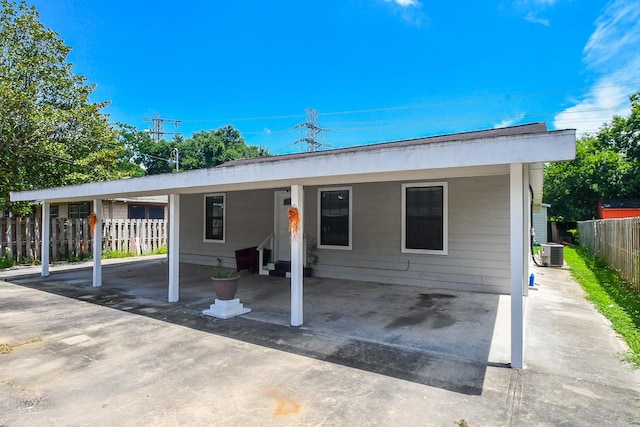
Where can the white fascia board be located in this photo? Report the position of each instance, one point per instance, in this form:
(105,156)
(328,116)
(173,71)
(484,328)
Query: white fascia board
(349,166)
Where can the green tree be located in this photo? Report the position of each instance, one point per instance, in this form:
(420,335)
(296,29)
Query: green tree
(205,149)
(622,134)
(208,149)
(151,157)
(607,165)
(50,133)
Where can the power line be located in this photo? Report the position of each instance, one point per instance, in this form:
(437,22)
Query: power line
(416,106)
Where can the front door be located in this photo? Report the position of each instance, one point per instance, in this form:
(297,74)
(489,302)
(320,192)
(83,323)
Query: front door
(282,244)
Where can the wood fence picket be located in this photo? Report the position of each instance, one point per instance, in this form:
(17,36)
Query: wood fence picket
(617,241)
(20,238)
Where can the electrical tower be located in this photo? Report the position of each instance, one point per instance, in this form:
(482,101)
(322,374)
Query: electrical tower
(313,130)
(157,127)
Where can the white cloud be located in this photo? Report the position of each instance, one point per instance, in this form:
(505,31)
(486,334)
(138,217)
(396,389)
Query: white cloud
(404,3)
(598,106)
(410,11)
(612,54)
(267,131)
(534,9)
(509,122)
(534,18)
(617,32)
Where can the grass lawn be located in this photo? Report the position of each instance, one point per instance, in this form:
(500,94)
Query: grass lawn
(613,297)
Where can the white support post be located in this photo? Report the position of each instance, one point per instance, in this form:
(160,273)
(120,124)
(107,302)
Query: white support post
(45,237)
(174,247)
(517,226)
(97,244)
(297,259)
(526,231)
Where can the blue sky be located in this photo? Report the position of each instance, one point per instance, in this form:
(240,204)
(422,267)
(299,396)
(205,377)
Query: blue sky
(375,70)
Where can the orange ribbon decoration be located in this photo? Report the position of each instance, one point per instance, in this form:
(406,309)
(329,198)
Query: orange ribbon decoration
(294,223)
(93,219)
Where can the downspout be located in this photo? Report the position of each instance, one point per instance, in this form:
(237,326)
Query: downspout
(532,234)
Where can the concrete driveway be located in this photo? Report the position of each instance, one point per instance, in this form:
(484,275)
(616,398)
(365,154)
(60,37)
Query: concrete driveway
(368,353)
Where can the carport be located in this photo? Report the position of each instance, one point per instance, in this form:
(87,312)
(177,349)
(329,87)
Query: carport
(445,339)
(510,157)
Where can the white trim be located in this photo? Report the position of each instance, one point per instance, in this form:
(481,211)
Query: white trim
(46,238)
(174,248)
(224,218)
(297,259)
(517,225)
(319,236)
(445,218)
(279,196)
(97,244)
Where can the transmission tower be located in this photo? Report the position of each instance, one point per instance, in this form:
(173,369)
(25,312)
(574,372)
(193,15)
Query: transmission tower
(157,127)
(313,130)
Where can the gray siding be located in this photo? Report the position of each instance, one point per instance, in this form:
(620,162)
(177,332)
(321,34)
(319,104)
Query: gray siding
(478,257)
(249,219)
(540,225)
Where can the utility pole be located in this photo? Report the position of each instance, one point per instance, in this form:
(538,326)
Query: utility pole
(313,130)
(176,154)
(157,127)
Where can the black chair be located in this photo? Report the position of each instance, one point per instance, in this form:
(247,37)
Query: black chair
(247,259)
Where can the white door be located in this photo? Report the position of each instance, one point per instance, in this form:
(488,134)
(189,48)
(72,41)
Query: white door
(282,244)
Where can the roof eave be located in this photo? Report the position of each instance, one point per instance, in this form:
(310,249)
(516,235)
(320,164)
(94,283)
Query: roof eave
(383,160)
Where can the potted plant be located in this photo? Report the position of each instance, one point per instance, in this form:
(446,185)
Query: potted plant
(311,258)
(225,283)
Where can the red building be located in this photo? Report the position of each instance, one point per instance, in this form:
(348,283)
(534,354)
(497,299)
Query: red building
(618,208)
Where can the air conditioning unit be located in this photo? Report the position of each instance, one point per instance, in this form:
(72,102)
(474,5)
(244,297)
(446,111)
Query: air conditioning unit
(552,254)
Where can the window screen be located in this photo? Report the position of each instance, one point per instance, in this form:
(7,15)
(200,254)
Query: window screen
(424,218)
(334,217)
(214,217)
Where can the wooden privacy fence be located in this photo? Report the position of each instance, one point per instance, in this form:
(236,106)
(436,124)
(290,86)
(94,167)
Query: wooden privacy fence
(618,242)
(20,238)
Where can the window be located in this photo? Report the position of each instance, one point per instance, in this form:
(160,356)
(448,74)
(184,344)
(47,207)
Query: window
(53,212)
(146,212)
(156,212)
(214,217)
(334,213)
(137,212)
(424,218)
(79,210)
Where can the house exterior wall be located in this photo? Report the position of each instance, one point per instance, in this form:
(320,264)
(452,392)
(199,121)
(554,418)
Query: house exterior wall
(115,210)
(110,209)
(540,225)
(478,254)
(249,219)
(63,210)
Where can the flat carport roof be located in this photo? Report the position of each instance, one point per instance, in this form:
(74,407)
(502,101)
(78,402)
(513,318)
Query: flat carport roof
(439,338)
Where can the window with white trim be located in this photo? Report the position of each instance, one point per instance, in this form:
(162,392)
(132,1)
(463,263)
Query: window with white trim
(214,217)
(335,217)
(424,218)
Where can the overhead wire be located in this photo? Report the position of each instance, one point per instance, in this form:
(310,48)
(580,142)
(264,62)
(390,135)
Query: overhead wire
(471,100)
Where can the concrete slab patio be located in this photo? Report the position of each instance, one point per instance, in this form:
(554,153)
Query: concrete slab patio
(368,354)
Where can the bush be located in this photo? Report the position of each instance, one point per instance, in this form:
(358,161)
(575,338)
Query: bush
(116,254)
(5,263)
